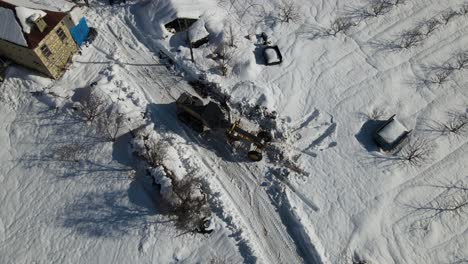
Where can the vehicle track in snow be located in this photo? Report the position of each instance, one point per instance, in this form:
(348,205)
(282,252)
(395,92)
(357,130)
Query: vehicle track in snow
(239,183)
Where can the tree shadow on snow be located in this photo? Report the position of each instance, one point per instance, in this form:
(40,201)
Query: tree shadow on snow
(111,213)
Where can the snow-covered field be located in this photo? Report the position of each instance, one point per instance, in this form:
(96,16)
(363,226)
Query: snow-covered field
(352,203)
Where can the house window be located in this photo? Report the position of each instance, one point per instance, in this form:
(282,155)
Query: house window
(61,34)
(45,51)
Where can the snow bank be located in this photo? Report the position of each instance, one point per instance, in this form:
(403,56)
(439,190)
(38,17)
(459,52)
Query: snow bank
(26,16)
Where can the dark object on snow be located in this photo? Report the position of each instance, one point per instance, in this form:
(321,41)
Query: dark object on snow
(112,2)
(205,227)
(391,134)
(264,36)
(180,24)
(272,55)
(192,111)
(92,35)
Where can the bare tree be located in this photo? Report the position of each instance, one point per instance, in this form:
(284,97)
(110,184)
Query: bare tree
(191,207)
(451,200)
(430,26)
(410,38)
(224,55)
(289,11)
(448,15)
(110,125)
(441,75)
(464,9)
(461,60)
(376,8)
(340,24)
(91,106)
(416,152)
(456,124)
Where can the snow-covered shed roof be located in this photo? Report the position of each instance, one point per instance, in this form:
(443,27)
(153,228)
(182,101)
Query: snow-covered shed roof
(393,131)
(16,24)
(192,9)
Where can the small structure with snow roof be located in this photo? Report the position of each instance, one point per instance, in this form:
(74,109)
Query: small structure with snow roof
(391,134)
(37,39)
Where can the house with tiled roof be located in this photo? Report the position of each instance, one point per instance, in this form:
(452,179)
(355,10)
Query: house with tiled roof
(37,39)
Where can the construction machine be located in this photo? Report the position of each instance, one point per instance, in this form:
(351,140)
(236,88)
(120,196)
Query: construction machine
(200,117)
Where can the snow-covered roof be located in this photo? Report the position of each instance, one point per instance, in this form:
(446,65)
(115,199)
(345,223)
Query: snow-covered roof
(17,24)
(27,15)
(392,131)
(187,9)
(10,30)
(76,14)
(198,30)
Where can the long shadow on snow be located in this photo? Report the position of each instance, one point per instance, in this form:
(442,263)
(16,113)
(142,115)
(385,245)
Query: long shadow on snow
(108,212)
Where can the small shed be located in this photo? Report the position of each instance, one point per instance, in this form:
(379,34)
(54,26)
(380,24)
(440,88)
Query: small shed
(391,134)
(180,15)
(272,55)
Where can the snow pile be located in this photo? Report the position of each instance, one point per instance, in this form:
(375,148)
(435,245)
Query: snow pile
(27,16)
(76,13)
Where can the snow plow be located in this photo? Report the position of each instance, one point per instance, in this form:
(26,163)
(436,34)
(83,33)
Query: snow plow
(200,117)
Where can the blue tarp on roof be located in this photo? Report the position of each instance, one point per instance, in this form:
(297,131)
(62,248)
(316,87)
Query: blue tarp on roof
(80,32)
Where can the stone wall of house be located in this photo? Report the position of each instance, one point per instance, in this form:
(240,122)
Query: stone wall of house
(61,50)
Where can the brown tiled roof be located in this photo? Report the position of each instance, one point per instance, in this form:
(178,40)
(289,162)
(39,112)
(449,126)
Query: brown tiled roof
(51,19)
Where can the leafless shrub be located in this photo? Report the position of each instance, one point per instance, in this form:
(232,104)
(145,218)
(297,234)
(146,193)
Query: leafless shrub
(289,11)
(220,260)
(110,125)
(191,207)
(464,9)
(376,8)
(224,54)
(441,76)
(448,15)
(461,60)
(417,151)
(340,24)
(410,38)
(456,124)
(70,152)
(430,26)
(92,106)
(451,201)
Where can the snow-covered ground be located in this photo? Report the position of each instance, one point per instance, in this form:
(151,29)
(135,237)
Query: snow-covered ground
(352,203)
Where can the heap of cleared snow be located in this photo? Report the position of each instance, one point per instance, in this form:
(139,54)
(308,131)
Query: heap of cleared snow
(26,16)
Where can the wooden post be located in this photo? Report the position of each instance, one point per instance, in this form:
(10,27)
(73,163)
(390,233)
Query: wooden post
(189,41)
